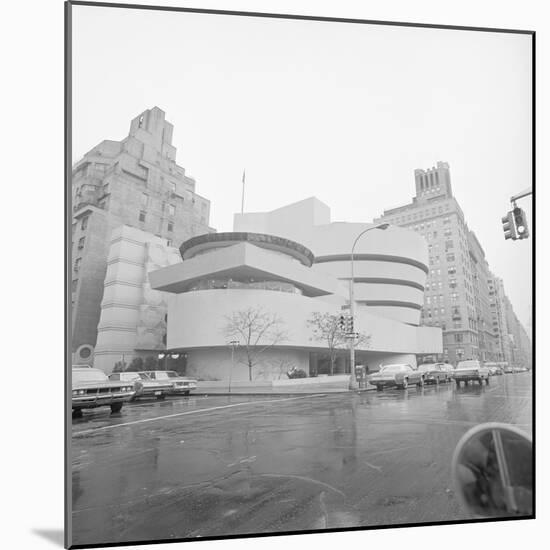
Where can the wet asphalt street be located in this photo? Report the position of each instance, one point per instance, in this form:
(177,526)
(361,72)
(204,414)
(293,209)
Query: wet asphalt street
(216,465)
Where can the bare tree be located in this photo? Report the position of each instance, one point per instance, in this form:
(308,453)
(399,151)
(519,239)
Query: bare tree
(325,328)
(256,330)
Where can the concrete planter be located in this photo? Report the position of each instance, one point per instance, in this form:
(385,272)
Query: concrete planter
(323,384)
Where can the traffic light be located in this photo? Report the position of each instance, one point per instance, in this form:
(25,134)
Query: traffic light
(509,227)
(350,324)
(342,322)
(521,223)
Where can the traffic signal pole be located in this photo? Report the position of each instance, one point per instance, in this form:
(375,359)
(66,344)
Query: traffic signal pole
(514,223)
(525,193)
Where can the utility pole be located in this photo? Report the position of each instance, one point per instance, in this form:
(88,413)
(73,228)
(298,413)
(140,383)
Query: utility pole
(233,344)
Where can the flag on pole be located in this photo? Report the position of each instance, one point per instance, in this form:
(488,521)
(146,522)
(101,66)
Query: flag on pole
(242,199)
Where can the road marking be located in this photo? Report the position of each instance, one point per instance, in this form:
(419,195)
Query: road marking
(196,411)
(373,466)
(304,478)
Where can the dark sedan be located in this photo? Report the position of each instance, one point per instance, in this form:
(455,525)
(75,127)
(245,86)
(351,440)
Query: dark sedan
(434,373)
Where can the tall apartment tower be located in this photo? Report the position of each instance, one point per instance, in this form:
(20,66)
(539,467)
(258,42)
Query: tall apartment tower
(135,182)
(457,293)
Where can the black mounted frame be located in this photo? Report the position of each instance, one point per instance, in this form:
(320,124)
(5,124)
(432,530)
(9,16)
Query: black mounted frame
(68,209)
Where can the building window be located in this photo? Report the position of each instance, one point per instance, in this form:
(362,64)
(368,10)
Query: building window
(81,243)
(173,187)
(435,234)
(171,210)
(84,223)
(140,121)
(77,263)
(74,285)
(103,203)
(449,244)
(142,216)
(450,257)
(459,338)
(144,200)
(170,226)
(106,189)
(168,242)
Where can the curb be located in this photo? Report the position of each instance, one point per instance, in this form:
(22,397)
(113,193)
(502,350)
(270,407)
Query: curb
(322,393)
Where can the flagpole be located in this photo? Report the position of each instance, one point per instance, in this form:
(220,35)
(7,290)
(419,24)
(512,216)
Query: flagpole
(242,199)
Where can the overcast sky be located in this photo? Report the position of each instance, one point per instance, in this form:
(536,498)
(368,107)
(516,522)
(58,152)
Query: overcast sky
(340,111)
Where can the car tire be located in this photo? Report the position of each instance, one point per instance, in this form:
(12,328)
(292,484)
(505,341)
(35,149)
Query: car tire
(77,413)
(186,392)
(116,407)
(161,397)
(405,384)
(379,388)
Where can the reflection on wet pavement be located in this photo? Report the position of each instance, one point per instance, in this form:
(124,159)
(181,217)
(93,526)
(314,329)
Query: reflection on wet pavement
(211,466)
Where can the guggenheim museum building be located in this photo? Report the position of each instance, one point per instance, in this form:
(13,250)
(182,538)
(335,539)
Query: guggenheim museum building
(292,264)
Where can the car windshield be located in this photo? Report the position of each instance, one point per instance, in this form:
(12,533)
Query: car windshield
(164,374)
(89,375)
(393,368)
(143,376)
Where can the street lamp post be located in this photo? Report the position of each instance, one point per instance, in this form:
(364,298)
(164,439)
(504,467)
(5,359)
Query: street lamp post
(233,344)
(382,227)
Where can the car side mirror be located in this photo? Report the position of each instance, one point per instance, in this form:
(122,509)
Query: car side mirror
(492,470)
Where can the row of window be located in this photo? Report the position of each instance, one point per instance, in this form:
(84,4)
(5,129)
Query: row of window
(418,215)
(143,218)
(244,283)
(145,203)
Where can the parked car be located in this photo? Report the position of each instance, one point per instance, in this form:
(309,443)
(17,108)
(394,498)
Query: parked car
(92,388)
(446,367)
(508,369)
(180,384)
(470,371)
(400,376)
(434,373)
(495,369)
(144,386)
